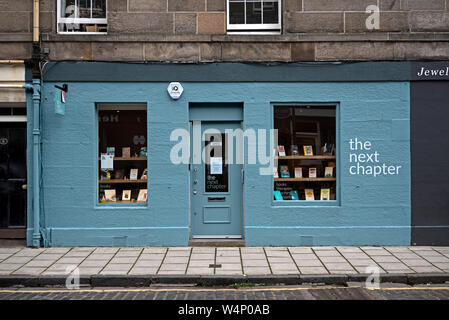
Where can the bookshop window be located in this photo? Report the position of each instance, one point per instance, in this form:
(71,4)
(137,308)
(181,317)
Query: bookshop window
(122,153)
(306,161)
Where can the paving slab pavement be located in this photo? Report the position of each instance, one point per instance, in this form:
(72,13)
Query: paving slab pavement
(221,262)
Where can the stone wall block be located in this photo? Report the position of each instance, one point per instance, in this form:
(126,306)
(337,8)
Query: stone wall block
(216,5)
(423,4)
(256,51)
(187,5)
(337,5)
(147,5)
(429,21)
(117,51)
(117,5)
(421,50)
(303,51)
(211,23)
(306,22)
(182,52)
(354,51)
(157,22)
(15,22)
(292,5)
(185,23)
(389,22)
(15,50)
(69,50)
(210,52)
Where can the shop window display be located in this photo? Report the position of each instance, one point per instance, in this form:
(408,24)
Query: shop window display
(122,153)
(306,167)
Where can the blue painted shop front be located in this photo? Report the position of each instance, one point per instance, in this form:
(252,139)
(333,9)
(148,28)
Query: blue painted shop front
(369,209)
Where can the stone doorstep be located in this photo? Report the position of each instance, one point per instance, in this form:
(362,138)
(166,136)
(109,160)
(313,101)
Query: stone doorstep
(213,280)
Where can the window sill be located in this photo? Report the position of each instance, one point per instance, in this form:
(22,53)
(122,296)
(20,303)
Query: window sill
(256,33)
(82,33)
(306,203)
(128,206)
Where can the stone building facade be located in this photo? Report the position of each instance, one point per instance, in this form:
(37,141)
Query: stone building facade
(195,30)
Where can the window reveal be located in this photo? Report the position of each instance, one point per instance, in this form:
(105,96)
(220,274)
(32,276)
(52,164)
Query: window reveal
(306,153)
(122,153)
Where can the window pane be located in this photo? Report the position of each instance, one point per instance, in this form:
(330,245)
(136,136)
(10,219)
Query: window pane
(236,12)
(122,154)
(270,12)
(68,8)
(98,9)
(306,168)
(253,11)
(216,164)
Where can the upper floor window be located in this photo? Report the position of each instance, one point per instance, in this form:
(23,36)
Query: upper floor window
(82,16)
(254,16)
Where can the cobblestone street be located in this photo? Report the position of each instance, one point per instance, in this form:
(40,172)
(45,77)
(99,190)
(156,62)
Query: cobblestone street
(395,292)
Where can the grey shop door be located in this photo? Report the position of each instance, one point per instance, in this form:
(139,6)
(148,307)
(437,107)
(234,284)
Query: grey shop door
(216,189)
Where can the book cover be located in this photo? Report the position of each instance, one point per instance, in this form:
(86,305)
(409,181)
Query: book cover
(312,172)
(119,173)
(126,195)
(308,150)
(142,197)
(329,172)
(294,195)
(126,152)
(133,174)
(143,152)
(109,195)
(295,150)
(275,172)
(281,150)
(106,161)
(328,148)
(110,151)
(325,194)
(298,172)
(105,175)
(144,174)
(284,172)
(278,195)
(309,194)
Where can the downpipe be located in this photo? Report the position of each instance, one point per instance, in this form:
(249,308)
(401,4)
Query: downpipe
(36,89)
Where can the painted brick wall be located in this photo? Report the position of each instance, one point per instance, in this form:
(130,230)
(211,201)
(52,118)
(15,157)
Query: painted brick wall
(195,30)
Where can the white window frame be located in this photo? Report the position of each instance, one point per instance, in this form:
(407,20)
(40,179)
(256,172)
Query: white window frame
(253,28)
(77,20)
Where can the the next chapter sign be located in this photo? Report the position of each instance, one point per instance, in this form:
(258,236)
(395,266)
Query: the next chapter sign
(430,70)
